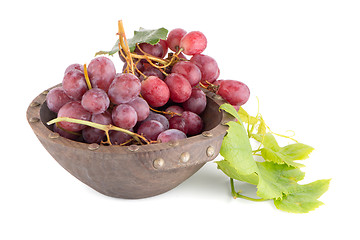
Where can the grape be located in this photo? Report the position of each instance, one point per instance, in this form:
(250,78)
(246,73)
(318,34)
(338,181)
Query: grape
(56,98)
(179,86)
(117,137)
(74,84)
(73,110)
(101,71)
(174,37)
(178,123)
(170,135)
(207,65)
(158,117)
(235,92)
(193,122)
(174,109)
(156,50)
(150,129)
(95,101)
(74,66)
(141,107)
(65,134)
(124,116)
(193,43)
(94,135)
(197,101)
(189,70)
(125,88)
(164,45)
(152,72)
(155,91)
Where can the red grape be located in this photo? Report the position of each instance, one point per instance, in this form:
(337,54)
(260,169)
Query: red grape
(174,109)
(178,123)
(158,117)
(189,70)
(141,107)
(150,129)
(164,45)
(171,135)
(193,122)
(155,50)
(235,92)
(74,84)
(208,67)
(124,116)
(94,135)
(56,98)
(101,71)
(179,86)
(124,88)
(117,137)
(74,66)
(197,101)
(65,134)
(73,110)
(193,43)
(155,91)
(174,37)
(95,101)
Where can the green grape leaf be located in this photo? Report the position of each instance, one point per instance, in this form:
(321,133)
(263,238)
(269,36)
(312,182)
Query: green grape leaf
(232,172)
(236,148)
(246,118)
(262,127)
(283,155)
(275,180)
(142,36)
(303,198)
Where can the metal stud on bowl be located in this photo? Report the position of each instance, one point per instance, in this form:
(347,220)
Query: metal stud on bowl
(158,163)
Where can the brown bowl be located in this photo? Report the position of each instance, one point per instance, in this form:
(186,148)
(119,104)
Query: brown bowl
(132,171)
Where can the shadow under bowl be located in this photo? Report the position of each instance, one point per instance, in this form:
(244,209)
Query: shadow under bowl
(136,171)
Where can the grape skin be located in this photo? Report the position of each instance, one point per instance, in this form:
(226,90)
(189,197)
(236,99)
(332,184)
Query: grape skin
(173,109)
(235,92)
(150,129)
(178,123)
(197,101)
(179,86)
(74,84)
(64,133)
(170,135)
(124,88)
(56,98)
(74,66)
(117,137)
(124,116)
(174,37)
(208,67)
(95,101)
(101,71)
(158,117)
(156,50)
(155,91)
(193,43)
(73,110)
(193,122)
(189,70)
(94,135)
(141,107)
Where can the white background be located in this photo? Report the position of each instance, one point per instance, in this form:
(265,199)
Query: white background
(301,58)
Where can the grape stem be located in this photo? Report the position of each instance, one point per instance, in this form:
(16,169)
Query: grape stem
(238,195)
(163,112)
(123,44)
(105,128)
(86,75)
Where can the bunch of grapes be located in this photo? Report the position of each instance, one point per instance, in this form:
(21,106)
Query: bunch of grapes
(158,95)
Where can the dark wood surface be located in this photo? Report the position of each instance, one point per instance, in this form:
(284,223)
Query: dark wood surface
(135,171)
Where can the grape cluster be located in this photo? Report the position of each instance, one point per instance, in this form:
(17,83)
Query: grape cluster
(161,102)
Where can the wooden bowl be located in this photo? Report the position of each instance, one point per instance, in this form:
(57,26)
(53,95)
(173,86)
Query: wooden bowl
(132,171)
